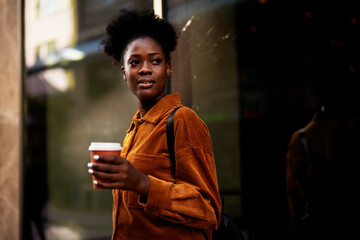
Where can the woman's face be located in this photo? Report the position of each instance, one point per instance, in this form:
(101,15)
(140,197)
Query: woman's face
(145,69)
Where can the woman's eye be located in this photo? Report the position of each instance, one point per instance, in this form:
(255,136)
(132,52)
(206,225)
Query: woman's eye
(134,62)
(156,61)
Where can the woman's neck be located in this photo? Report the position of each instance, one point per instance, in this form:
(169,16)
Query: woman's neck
(146,105)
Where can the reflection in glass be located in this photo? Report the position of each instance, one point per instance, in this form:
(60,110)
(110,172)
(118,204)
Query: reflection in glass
(206,74)
(73,96)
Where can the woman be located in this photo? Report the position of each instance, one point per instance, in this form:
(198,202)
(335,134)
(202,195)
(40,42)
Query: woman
(149,202)
(321,175)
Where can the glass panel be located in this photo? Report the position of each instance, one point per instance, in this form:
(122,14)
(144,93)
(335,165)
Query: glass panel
(47,7)
(68,108)
(246,68)
(205,72)
(74,96)
(242,65)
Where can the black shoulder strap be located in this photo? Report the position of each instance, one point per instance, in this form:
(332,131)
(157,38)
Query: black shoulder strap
(170,142)
(171,139)
(304,142)
(307,206)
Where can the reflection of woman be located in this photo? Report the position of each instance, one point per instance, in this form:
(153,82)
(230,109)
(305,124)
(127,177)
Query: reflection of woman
(321,185)
(149,202)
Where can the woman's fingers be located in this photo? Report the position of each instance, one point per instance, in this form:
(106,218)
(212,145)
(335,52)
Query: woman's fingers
(107,185)
(108,158)
(103,167)
(113,172)
(106,163)
(103,175)
(108,180)
(108,171)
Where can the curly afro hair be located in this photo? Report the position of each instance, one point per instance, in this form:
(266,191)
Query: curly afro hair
(131,24)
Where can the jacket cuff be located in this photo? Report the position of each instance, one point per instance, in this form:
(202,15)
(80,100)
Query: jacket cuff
(158,197)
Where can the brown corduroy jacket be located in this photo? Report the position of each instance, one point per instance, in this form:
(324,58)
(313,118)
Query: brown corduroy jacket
(327,181)
(176,208)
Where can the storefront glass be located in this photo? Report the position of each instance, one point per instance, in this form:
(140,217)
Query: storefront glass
(74,96)
(244,66)
(205,72)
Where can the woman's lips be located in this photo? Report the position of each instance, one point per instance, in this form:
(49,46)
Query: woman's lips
(146,83)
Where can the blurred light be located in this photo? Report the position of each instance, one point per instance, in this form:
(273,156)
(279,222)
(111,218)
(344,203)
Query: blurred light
(351,68)
(336,43)
(262,1)
(188,23)
(58,79)
(354,21)
(253,29)
(308,14)
(72,54)
(226,36)
(52,59)
(157,4)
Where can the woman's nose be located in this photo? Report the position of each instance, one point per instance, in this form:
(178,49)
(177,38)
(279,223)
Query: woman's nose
(145,68)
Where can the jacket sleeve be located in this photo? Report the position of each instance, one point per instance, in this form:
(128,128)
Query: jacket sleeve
(297,167)
(193,200)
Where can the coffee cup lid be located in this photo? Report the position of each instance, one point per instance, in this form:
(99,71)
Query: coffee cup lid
(105,146)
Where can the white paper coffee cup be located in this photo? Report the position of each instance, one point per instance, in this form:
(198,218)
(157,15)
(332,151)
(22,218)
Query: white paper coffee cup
(103,148)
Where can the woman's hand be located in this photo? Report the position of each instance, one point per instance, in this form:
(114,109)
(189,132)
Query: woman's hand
(115,172)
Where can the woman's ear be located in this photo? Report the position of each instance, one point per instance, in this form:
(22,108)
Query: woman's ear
(123,72)
(168,70)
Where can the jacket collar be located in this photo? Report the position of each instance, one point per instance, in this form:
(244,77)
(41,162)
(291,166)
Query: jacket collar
(156,113)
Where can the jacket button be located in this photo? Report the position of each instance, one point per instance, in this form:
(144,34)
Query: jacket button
(154,208)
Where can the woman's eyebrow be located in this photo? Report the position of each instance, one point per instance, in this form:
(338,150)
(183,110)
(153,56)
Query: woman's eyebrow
(139,55)
(155,53)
